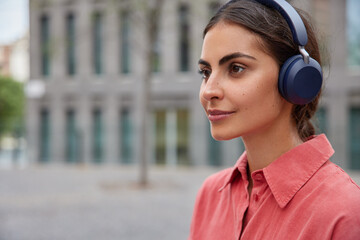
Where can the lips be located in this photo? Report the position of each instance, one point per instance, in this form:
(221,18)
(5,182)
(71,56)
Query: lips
(218,115)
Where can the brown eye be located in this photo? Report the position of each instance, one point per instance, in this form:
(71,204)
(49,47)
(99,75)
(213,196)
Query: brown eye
(235,69)
(205,73)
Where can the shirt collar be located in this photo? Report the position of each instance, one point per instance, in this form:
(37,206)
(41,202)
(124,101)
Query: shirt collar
(287,174)
(239,168)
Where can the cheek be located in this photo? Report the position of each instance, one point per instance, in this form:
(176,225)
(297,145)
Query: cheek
(260,98)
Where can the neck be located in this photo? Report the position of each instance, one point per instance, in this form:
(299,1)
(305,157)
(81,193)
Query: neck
(265,147)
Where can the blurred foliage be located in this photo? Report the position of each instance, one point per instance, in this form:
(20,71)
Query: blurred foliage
(12,101)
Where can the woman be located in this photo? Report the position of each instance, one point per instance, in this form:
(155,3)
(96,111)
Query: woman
(283,186)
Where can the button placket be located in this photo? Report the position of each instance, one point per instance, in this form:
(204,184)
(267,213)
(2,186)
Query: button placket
(258,180)
(258,177)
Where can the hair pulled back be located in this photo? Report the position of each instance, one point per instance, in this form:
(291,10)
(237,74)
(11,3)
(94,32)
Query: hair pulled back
(275,39)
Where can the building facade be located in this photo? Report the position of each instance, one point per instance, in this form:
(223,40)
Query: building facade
(89,56)
(5,53)
(14,59)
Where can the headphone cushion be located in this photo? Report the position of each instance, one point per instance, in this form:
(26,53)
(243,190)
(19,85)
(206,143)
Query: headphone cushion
(299,83)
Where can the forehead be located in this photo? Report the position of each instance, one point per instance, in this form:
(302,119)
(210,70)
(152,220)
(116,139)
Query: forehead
(226,38)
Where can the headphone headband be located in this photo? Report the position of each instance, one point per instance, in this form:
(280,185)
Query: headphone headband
(292,18)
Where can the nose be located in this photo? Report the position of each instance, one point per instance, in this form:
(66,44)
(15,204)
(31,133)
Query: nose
(211,89)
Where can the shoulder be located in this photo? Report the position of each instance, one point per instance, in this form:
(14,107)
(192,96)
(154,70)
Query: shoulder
(331,199)
(335,179)
(212,184)
(206,202)
(217,180)
(346,201)
(338,193)
(207,197)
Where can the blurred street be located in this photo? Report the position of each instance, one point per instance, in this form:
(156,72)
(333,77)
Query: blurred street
(103,202)
(99,202)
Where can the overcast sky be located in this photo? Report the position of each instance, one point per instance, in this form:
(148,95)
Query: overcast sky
(13,20)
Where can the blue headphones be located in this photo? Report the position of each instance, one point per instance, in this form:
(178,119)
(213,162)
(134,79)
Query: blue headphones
(300,77)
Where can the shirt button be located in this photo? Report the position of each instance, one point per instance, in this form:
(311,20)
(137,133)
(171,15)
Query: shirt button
(258,177)
(256,197)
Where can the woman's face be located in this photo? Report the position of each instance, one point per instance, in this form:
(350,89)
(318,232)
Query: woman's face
(239,90)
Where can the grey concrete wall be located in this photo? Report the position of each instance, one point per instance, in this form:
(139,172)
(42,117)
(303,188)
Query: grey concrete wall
(171,89)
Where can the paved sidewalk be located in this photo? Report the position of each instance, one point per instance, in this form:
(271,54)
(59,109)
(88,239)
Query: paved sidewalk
(85,203)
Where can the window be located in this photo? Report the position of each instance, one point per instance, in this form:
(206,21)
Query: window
(156,52)
(44,136)
(354,142)
(70,44)
(97,136)
(182,135)
(214,150)
(156,47)
(320,120)
(97,43)
(45,45)
(172,137)
(160,135)
(353,32)
(184,27)
(72,140)
(125,41)
(126,136)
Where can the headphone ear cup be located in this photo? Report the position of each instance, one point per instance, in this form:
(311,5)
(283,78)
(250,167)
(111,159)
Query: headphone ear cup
(299,83)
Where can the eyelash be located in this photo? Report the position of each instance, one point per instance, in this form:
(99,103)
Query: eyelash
(205,73)
(233,65)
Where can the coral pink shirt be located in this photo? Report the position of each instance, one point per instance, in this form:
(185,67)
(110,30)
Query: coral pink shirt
(301,195)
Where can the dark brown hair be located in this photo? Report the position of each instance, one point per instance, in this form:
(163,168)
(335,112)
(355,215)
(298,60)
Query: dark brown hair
(275,39)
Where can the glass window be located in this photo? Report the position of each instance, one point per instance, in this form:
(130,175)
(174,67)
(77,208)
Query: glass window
(125,41)
(70,44)
(320,120)
(156,49)
(126,136)
(72,140)
(214,150)
(353,32)
(160,136)
(184,27)
(97,136)
(97,43)
(182,134)
(44,136)
(45,45)
(354,133)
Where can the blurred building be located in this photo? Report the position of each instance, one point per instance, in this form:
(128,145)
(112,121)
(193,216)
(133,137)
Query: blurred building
(5,52)
(88,56)
(338,24)
(14,59)
(19,59)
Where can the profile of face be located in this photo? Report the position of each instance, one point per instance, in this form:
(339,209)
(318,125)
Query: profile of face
(239,90)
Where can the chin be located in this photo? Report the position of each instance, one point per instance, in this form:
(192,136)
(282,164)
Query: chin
(223,136)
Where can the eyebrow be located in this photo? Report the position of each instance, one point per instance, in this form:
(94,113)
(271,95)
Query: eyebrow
(227,58)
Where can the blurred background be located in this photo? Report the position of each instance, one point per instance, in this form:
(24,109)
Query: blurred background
(84,82)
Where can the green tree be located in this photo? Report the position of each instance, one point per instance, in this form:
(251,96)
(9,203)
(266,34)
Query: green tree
(11,106)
